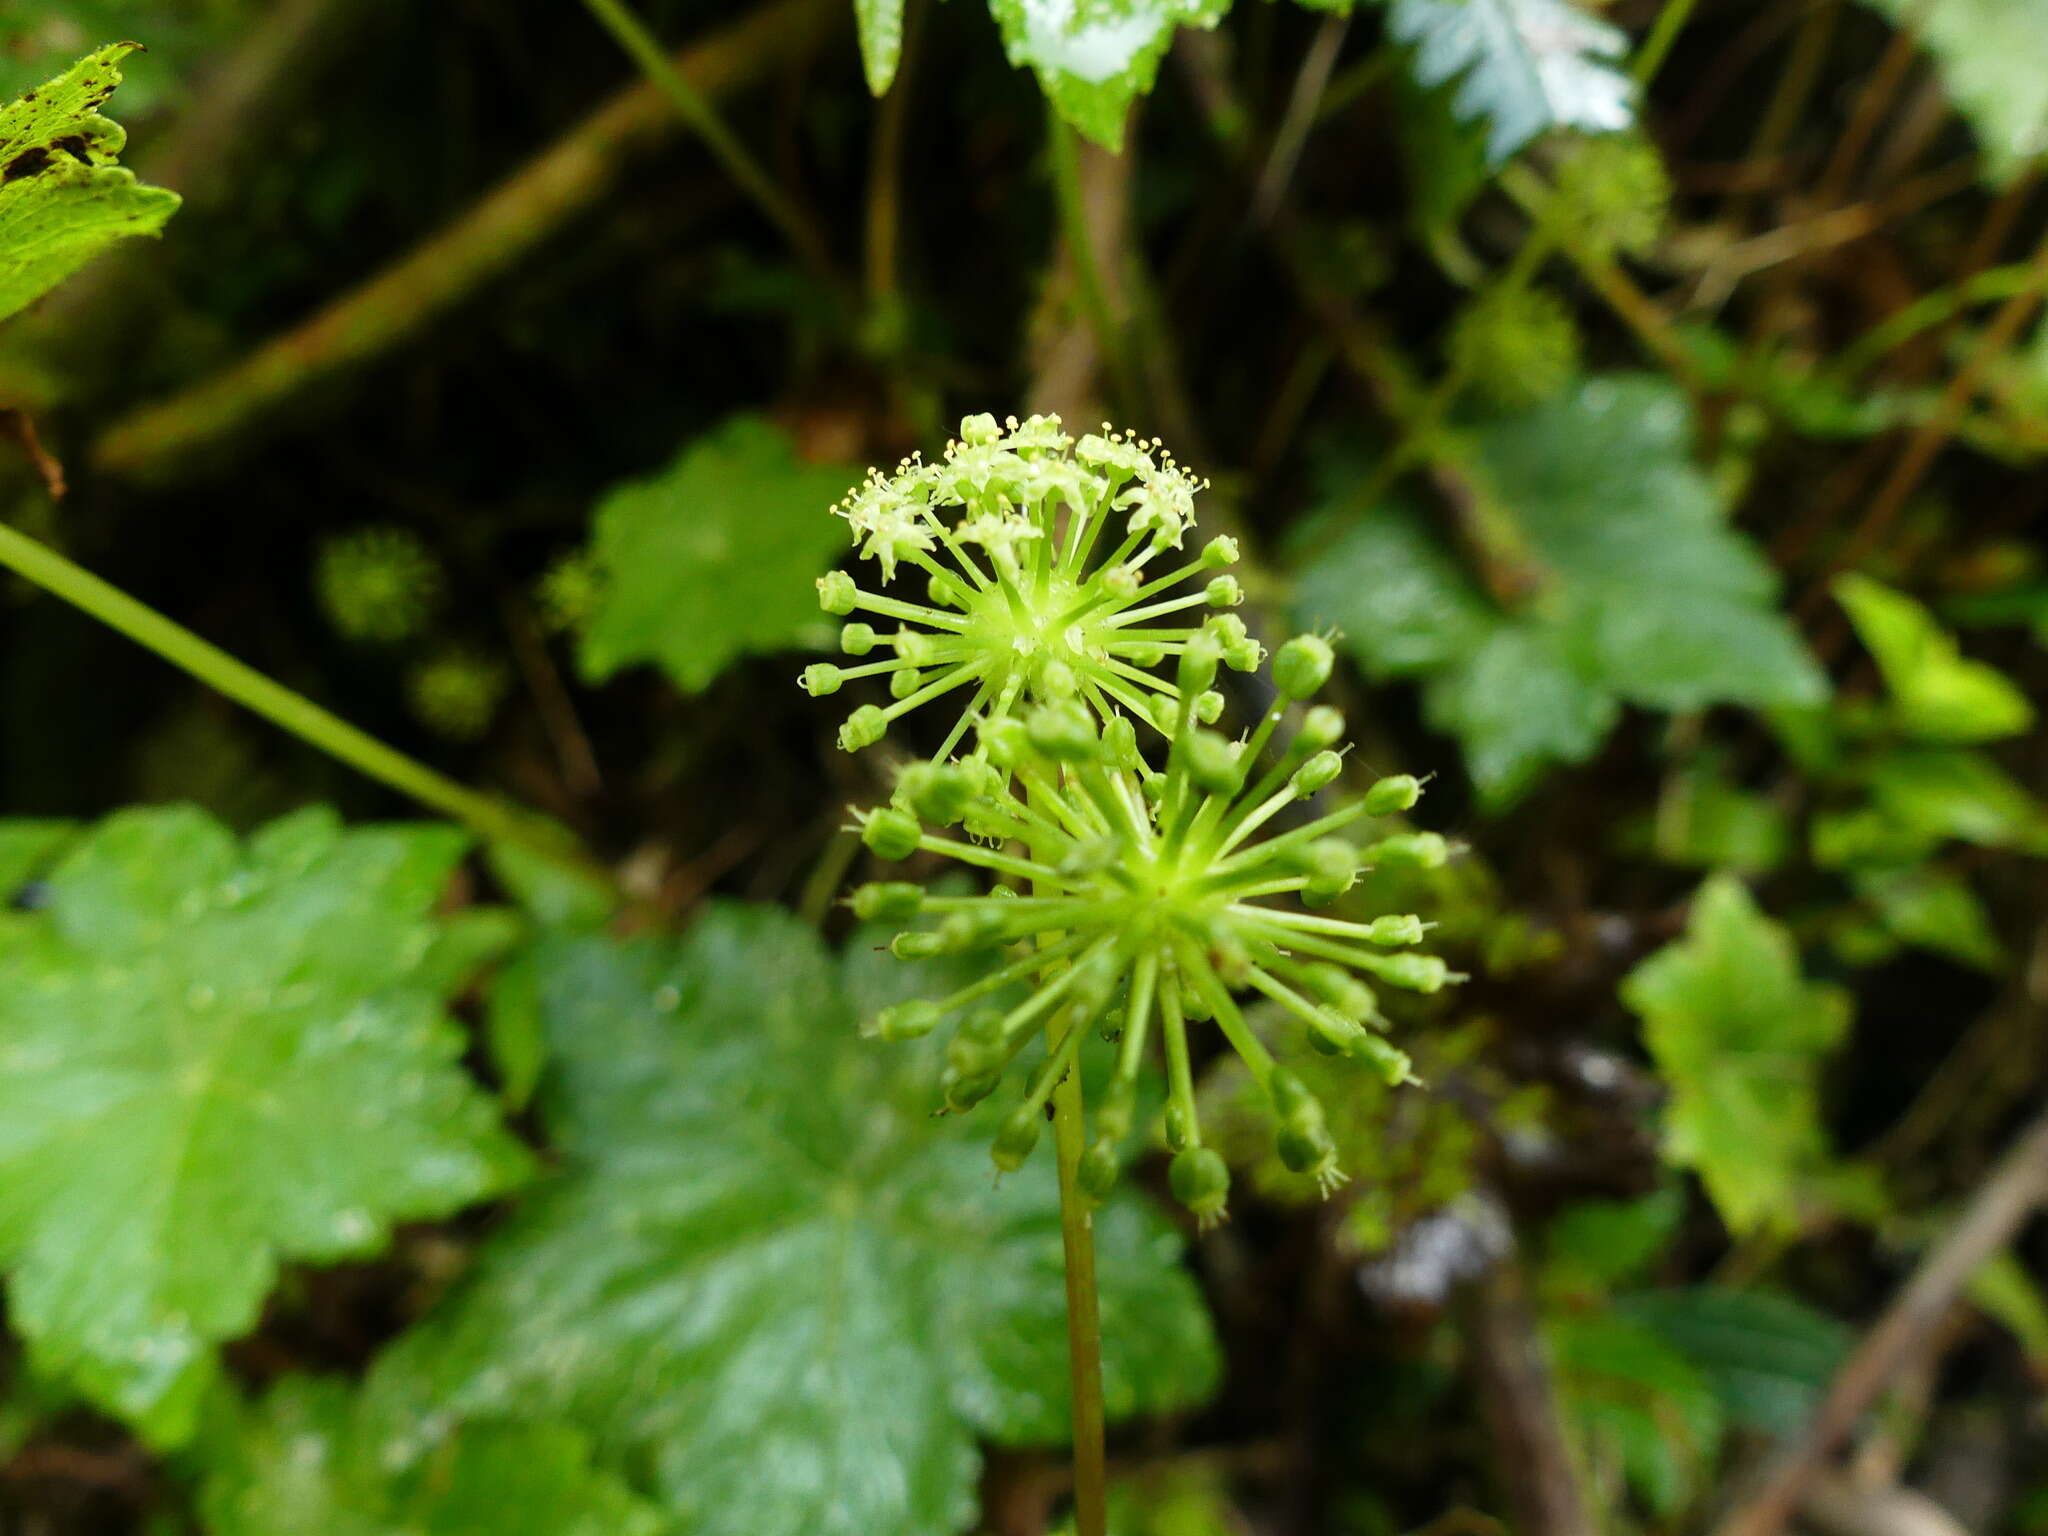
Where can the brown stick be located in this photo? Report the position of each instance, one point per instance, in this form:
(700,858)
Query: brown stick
(2015,1189)
(1519,1403)
(161,441)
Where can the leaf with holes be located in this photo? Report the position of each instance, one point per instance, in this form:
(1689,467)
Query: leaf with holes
(1740,1036)
(1094,57)
(318,1456)
(1646,596)
(213,1058)
(1525,66)
(766,1274)
(63,198)
(714,557)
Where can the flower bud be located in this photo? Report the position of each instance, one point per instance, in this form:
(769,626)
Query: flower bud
(1099,1168)
(1212,763)
(1409,850)
(891,834)
(1063,732)
(904,683)
(1056,680)
(1146,656)
(942,591)
(1391,796)
(1017,1135)
(836,592)
(1200,1181)
(1302,666)
(1316,774)
(918,944)
(863,728)
(1321,727)
(936,792)
(820,679)
(888,901)
(964,1090)
(1224,592)
(1198,663)
(1005,740)
(979,430)
(1418,973)
(1307,1148)
(1288,1092)
(858,639)
(1120,741)
(1209,707)
(1337,989)
(1220,551)
(905,1021)
(1395,929)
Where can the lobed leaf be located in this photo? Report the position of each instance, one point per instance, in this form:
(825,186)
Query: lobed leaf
(766,1275)
(213,1058)
(1093,58)
(63,197)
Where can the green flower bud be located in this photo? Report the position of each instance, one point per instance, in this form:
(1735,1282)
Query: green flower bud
(1321,727)
(1418,973)
(1063,732)
(1147,656)
(1306,1148)
(1056,680)
(1224,592)
(836,592)
(944,592)
(1209,707)
(1302,666)
(1005,740)
(1316,774)
(1288,1092)
(1179,1130)
(918,944)
(1017,1135)
(1337,989)
(863,728)
(964,1090)
(888,901)
(858,639)
(1200,1181)
(1120,741)
(936,792)
(1220,551)
(1212,763)
(891,834)
(903,684)
(1395,929)
(820,679)
(1391,796)
(1099,1168)
(905,1021)
(1409,850)
(1198,663)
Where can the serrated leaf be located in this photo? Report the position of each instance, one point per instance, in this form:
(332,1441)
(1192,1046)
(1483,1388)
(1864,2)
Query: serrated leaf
(1740,1036)
(1650,598)
(1525,66)
(766,1275)
(316,1456)
(1938,694)
(1768,1356)
(63,199)
(1093,58)
(1989,52)
(1643,1416)
(881,40)
(27,848)
(213,1058)
(714,557)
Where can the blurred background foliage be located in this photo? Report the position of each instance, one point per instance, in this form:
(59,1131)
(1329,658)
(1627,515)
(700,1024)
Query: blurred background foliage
(1651,398)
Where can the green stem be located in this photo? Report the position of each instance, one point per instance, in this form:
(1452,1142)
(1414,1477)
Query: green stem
(1670,21)
(632,35)
(1084,1312)
(300,716)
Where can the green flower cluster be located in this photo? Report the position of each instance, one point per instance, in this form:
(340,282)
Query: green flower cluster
(1136,896)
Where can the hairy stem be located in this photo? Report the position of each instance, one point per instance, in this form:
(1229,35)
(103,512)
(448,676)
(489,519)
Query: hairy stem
(276,703)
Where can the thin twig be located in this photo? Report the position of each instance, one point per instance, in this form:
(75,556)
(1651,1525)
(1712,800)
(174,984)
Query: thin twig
(2015,1189)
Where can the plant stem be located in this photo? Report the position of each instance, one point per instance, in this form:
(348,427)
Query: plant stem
(1084,1312)
(276,703)
(1109,335)
(696,111)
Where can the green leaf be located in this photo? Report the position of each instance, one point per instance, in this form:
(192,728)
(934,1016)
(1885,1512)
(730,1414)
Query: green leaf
(1935,909)
(766,1274)
(1525,66)
(1990,53)
(27,849)
(1933,794)
(1648,597)
(1707,823)
(215,1058)
(1643,1416)
(1768,1356)
(63,199)
(319,1457)
(1094,57)
(714,557)
(1740,1036)
(1598,1244)
(2004,1290)
(1938,694)
(881,40)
